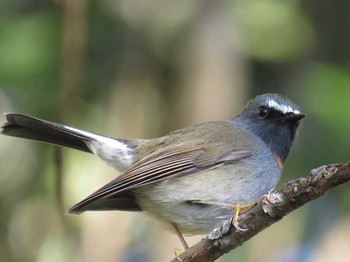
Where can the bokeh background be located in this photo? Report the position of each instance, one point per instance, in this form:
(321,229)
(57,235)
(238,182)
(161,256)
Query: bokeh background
(133,68)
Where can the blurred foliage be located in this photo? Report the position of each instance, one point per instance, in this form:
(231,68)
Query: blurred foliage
(142,68)
(275,30)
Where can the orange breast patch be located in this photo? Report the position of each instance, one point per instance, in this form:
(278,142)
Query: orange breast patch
(279,161)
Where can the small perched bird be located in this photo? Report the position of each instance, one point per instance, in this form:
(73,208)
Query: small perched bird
(194,179)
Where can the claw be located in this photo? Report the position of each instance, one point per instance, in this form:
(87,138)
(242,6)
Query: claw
(219,231)
(225,227)
(235,219)
(238,209)
(236,225)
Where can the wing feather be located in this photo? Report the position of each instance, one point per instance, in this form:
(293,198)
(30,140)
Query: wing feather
(179,161)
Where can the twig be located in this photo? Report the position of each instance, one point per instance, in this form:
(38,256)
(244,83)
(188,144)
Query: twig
(291,196)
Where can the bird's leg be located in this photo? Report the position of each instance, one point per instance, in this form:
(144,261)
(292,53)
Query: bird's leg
(180,236)
(219,231)
(237,209)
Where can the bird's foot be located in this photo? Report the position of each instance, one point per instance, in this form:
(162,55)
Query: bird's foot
(225,227)
(237,209)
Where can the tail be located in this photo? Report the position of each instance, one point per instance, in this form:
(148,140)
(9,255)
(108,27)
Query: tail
(116,152)
(23,126)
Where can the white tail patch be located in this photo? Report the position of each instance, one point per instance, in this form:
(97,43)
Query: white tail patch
(112,151)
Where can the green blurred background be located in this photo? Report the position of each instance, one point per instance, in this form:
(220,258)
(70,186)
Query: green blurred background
(143,68)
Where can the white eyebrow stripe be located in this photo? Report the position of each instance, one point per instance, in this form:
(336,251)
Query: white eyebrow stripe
(283,108)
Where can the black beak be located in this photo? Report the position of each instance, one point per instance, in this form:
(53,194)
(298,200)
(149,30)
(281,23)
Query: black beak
(294,118)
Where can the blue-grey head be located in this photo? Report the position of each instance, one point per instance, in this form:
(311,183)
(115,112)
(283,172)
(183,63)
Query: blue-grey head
(273,118)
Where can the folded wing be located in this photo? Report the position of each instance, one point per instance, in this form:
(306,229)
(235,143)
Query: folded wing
(162,165)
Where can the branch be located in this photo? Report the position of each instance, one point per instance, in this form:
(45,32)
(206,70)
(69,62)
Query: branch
(290,197)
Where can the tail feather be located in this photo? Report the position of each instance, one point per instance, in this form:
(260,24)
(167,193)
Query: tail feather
(116,152)
(23,126)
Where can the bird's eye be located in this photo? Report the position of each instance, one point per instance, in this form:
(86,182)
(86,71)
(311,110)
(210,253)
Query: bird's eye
(263,112)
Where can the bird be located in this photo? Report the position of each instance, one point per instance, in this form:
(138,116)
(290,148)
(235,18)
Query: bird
(197,179)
